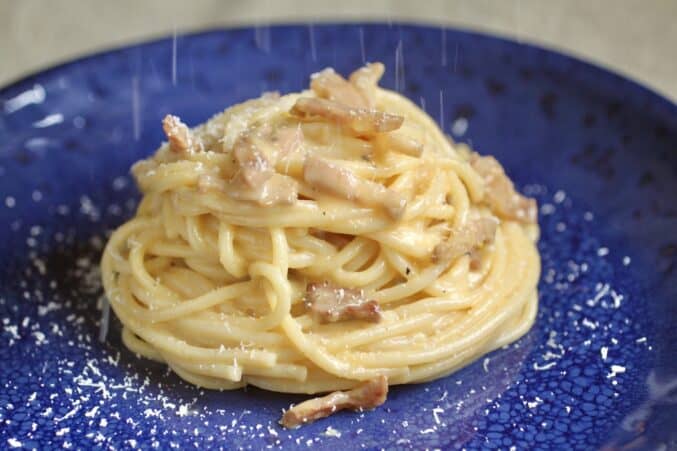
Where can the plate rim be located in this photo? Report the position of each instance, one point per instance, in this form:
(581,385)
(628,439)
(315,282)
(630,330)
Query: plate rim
(666,108)
(661,100)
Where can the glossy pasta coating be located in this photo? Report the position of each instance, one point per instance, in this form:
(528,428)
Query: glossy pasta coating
(348,184)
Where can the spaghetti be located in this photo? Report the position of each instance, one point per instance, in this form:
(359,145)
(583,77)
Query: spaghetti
(320,241)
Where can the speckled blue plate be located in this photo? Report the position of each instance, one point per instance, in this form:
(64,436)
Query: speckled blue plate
(599,152)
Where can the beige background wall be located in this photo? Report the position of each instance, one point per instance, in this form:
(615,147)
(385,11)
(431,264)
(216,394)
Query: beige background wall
(635,37)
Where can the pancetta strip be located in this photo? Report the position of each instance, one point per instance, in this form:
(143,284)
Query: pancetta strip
(330,304)
(330,85)
(341,182)
(257,153)
(368,395)
(255,159)
(500,193)
(366,79)
(360,121)
(465,239)
(277,190)
(179,135)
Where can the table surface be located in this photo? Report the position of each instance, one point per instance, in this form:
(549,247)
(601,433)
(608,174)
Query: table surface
(633,37)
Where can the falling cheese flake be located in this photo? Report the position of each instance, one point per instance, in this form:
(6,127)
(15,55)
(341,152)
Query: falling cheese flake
(459,126)
(559,197)
(545,367)
(183,410)
(331,432)
(615,369)
(617,298)
(589,324)
(547,209)
(436,412)
(485,364)
(535,403)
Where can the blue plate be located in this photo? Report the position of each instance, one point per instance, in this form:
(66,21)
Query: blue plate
(599,152)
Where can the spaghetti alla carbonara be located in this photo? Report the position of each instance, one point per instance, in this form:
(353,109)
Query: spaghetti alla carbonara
(332,239)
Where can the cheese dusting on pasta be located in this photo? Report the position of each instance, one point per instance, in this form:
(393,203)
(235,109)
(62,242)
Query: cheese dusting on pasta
(332,239)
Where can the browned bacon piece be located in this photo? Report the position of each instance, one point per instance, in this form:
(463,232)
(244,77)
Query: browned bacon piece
(368,395)
(360,121)
(179,135)
(330,304)
(366,78)
(277,190)
(465,239)
(330,85)
(256,153)
(341,182)
(500,194)
(253,157)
